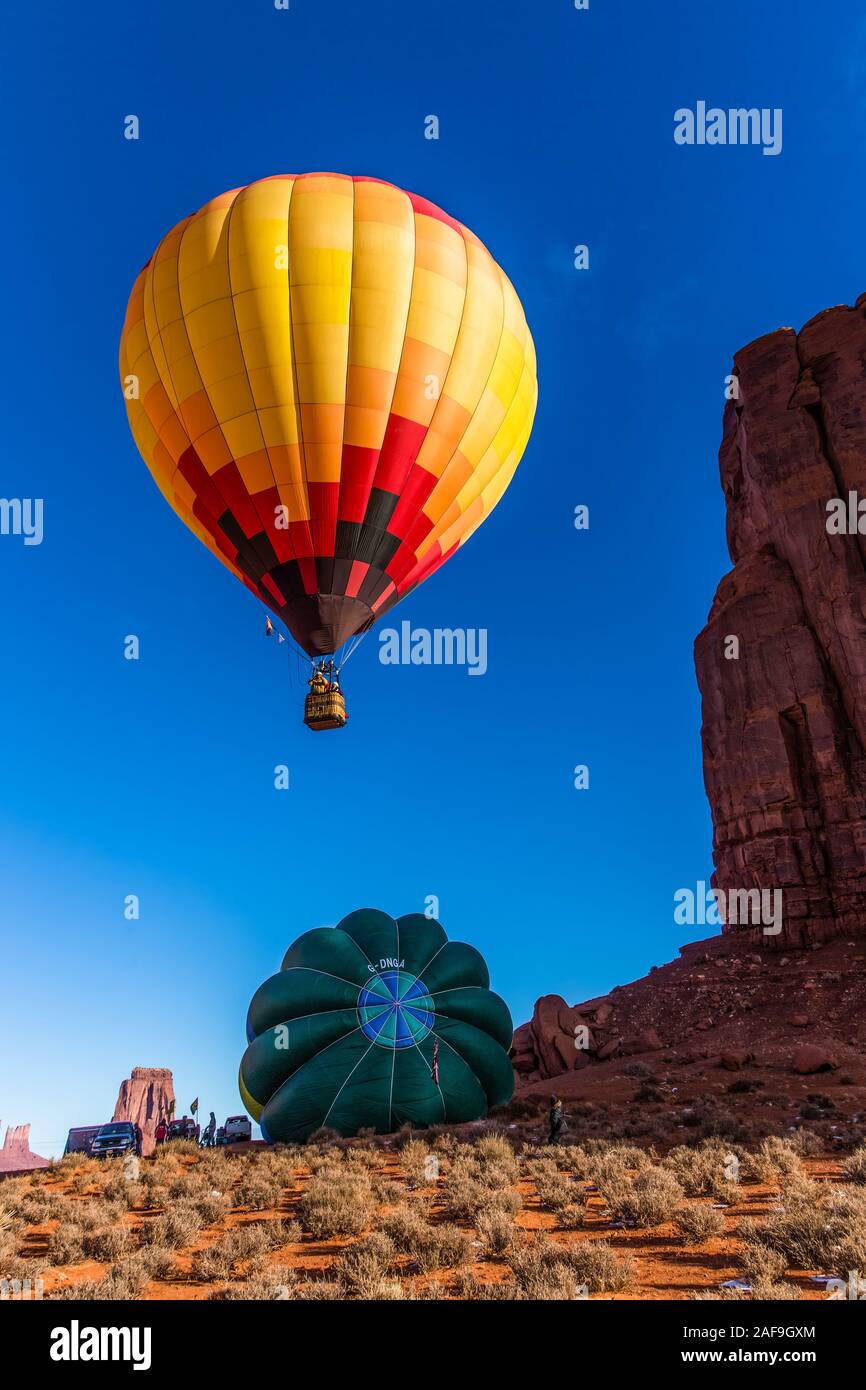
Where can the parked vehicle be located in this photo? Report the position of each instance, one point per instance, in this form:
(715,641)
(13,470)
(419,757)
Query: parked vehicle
(115,1139)
(236,1129)
(184,1128)
(81,1139)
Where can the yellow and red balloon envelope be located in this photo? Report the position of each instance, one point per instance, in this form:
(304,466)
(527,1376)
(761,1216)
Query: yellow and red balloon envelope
(332,383)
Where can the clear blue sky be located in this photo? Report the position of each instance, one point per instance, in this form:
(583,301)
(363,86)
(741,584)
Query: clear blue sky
(156,777)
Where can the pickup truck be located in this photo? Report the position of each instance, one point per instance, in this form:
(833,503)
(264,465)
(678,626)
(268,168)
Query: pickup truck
(236,1129)
(115,1139)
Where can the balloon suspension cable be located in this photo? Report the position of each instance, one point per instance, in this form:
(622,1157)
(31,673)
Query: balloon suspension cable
(354,644)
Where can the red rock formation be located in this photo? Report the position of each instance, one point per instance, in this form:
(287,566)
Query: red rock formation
(15,1155)
(784,722)
(720,1008)
(143,1099)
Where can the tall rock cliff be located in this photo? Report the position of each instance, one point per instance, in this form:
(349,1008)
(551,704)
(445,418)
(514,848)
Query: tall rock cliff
(784,706)
(143,1099)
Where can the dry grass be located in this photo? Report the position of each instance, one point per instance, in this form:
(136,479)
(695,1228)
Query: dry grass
(699,1224)
(429,1217)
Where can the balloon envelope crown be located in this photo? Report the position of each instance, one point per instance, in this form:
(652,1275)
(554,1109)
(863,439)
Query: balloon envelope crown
(373,1024)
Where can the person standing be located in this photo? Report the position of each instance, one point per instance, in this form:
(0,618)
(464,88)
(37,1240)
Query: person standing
(557,1121)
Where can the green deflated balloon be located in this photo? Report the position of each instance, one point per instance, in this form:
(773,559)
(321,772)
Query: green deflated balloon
(373,1024)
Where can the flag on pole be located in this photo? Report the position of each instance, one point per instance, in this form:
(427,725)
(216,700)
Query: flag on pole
(193,1109)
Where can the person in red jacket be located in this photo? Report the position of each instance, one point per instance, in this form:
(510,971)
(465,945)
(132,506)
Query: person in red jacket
(160,1131)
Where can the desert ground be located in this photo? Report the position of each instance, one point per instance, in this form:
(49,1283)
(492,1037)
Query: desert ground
(482,1212)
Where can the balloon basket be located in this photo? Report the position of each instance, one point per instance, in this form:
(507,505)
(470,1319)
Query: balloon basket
(326,710)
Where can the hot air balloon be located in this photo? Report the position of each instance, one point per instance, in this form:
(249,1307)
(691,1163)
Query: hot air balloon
(332,383)
(375,1023)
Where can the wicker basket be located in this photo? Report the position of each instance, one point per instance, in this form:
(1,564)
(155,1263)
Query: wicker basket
(325,711)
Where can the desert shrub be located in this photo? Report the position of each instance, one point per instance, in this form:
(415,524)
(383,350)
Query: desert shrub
(493,1151)
(596,1266)
(555,1190)
(445,1247)
(759,1262)
(404,1226)
(820,1233)
(124,1281)
(415,1160)
(544,1269)
(614,1162)
(496,1230)
(323,1290)
(117,1187)
(66,1244)
(568,1158)
(212,1206)
(796,1188)
(176,1228)
(175,1147)
(42,1205)
(466,1198)
(10,1223)
(540,1273)
(97,1213)
(258,1194)
(467,1285)
(365,1264)
(324,1139)
(772,1291)
(704,1171)
(773,1159)
(697,1224)
(337,1201)
(158,1260)
(854,1168)
(106,1242)
(445,1143)
(805,1143)
(650,1199)
(277,1284)
(572,1216)
(240,1245)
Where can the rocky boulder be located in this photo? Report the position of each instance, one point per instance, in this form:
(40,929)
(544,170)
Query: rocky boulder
(810,1058)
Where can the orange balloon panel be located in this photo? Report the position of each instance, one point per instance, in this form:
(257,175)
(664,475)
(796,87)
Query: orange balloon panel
(332,383)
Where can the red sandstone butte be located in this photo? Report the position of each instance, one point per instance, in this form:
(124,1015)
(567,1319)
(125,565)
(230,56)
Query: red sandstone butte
(143,1099)
(784,724)
(15,1155)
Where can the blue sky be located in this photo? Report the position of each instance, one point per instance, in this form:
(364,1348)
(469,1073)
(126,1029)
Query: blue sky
(156,777)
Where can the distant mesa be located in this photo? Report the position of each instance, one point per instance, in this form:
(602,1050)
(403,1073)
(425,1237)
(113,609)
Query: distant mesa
(15,1155)
(144,1098)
